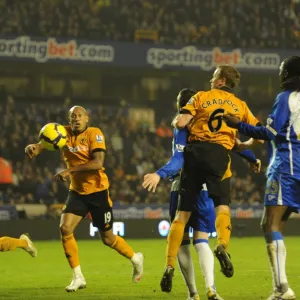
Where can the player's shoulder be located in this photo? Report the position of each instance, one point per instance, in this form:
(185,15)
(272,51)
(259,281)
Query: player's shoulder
(284,100)
(281,99)
(283,95)
(92,130)
(238,101)
(95,133)
(199,94)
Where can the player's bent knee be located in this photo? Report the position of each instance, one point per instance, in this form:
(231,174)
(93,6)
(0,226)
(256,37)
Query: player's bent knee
(108,238)
(65,229)
(223,209)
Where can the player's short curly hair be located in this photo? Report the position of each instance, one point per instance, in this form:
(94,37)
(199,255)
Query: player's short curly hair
(290,73)
(231,75)
(184,96)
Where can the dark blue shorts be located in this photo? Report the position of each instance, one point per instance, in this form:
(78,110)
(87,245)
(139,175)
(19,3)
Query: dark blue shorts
(203,214)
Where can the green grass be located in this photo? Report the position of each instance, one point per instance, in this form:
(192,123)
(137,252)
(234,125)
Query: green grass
(108,275)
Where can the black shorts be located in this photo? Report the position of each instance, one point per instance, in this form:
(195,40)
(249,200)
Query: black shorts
(97,204)
(204,163)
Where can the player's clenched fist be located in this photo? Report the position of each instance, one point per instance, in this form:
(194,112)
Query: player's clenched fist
(151,181)
(231,120)
(33,150)
(256,166)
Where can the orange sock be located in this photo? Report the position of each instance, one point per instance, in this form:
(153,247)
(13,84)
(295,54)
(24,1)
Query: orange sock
(122,247)
(71,250)
(223,227)
(9,244)
(175,237)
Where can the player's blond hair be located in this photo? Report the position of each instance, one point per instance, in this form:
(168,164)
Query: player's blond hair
(231,75)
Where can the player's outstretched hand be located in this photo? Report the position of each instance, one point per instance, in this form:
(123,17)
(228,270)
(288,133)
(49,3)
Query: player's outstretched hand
(256,166)
(33,150)
(151,181)
(239,146)
(231,120)
(62,175)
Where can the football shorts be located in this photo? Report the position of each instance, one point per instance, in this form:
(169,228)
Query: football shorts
(205,163)
(99,205)
(283,189)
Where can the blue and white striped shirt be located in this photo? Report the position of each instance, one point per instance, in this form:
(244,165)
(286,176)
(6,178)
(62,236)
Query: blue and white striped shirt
(282,133)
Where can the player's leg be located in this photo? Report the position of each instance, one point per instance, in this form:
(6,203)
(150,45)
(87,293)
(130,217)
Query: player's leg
(206,261)
(203,223)
(186,266)
(184,257)
(174,240)
(100,207)
(221,198)
(281,197)
(73,213)
(24,242)
(190,186)
(272,226)
(215,164)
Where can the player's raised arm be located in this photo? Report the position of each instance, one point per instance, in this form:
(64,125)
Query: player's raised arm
(52,136)
(173,166)
(33,150)
(249,156)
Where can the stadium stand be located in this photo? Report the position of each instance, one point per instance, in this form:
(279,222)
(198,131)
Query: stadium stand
(226,23)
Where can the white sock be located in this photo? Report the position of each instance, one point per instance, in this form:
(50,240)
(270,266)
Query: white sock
(77,272)
(277,257)
(206,260)
(186,265)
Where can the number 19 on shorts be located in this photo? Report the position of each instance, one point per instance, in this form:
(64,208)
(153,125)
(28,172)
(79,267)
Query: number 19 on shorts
(107,217)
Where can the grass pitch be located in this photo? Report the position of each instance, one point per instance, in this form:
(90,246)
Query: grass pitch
(108,275)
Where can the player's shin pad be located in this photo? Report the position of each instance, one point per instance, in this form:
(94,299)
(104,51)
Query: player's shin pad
(175,237)
(71,250)
(277,257)
(186,265)
(223,227)
(122,247)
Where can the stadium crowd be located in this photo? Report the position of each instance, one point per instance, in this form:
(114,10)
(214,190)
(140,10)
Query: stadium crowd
(133,149)
(228,23)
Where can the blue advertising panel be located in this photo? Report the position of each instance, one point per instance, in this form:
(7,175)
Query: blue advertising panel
(134,55)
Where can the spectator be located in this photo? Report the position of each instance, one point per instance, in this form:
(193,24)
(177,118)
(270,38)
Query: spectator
(225,23)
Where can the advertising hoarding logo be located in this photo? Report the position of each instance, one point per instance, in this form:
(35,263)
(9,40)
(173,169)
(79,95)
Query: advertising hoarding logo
(118,229)
(163,228)
(51,49)
(208,59)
